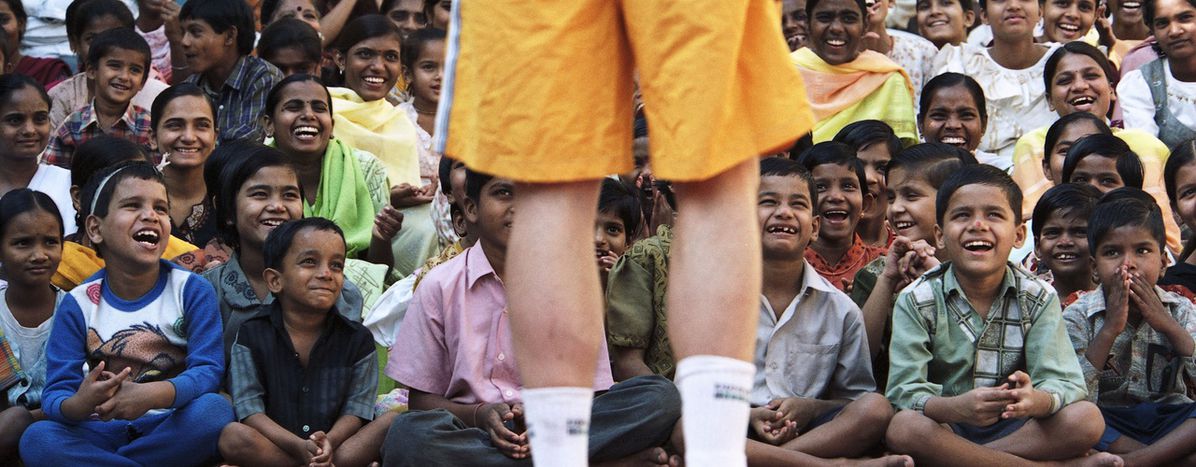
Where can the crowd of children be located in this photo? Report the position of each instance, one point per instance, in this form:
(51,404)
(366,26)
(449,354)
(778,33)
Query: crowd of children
(238,232)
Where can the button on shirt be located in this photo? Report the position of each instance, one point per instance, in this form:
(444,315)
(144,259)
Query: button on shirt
(241,99)
(1142,365)
(266,376)
(816,349)
(456,338)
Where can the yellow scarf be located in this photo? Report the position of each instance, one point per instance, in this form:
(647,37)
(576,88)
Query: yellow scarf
(869,87)
(80,262)
(378,128)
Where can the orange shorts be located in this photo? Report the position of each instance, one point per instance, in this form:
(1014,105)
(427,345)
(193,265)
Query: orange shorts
(541,91)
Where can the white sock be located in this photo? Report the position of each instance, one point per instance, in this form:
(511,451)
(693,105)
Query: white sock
(558,425)
(714,409)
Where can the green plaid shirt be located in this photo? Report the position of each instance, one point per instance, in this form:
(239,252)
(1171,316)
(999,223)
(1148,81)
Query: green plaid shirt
(1142,364)
(941,347)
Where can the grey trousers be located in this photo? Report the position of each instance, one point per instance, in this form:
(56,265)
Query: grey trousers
(634,415)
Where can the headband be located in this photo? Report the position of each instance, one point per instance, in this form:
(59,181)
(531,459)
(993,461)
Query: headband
(96,196)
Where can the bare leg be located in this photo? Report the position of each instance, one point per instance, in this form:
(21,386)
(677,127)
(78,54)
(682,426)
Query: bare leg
(855,431)
(1179,444)
(13,422)
(366,445)
(930,443)
(556,305)
(242,445)
(1066,435)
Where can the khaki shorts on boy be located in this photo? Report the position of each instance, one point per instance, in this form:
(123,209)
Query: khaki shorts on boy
(541,91)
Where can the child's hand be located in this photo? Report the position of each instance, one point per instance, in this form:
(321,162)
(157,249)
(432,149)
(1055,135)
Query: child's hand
(982,406)
(405,195)
(387,224)
(897,251)
(302,450)
(323,455)
(606,259)
(99,386)
(767,424)
(493,419)
(1027,401)
(917,261)
(1148,304)
(1117,303)
(131,401)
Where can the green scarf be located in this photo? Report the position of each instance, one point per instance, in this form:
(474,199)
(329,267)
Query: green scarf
(342,197)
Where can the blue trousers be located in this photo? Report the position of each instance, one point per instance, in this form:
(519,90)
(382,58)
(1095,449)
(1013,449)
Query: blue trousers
(184,436)
(634,415)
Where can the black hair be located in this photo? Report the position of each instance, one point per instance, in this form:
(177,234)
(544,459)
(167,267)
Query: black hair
(810,4)
(12,82)
(445,172)
(363,28)
(269,7)
(1063,123)
(95,156)
(222,15)
(290,33)
(1068,199)
(950,80)
(18,11)
(864,133)
(965,5)
(174,92)
(474,181)
(123,39)
(414,44)
(979,174)
(1183,154)
(831,152)
(110,177)
(82,13)
(1078,48)
(279,241)
(1129,166)
(783,167)
(1122,212)
(934,162)
(229,167)
(23,200)
(275,96)
(622,200)
(1148,13)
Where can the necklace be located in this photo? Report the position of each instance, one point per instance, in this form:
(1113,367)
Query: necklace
(423,112)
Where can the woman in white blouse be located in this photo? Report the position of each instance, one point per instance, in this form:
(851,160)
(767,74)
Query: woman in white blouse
(1160,97)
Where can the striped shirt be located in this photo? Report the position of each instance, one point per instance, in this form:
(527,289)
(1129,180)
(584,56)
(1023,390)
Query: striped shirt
(83,125)
(241,99)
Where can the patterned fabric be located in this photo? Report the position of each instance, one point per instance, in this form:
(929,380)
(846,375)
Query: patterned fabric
(942,347)
(10,366)
(160,49)
(72,94)
(199,227)
(83,125)
(635,301)
(448,253)
(1142,365)
(241,99)
(429,160)
(916,55)
(23,355)
(842,273)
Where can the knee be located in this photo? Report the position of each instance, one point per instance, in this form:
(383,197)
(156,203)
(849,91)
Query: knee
(908,430)
(17,418)
(409,434)
(41,442)
(209,412)
(661,393)
(873,410)
(1080,424)
(236,441)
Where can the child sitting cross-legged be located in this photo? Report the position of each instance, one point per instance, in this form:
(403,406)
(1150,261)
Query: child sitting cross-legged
(839,252)
(813,372)
(979,360)
(454,352)
(1061,241)
(1134,340)
(302,376)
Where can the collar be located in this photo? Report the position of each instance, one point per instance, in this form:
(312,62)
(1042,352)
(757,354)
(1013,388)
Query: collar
(476,265)
(332,321)
(231,274)
(236,78)
(1170,300)
(89,113)
(951,283)
(811,279)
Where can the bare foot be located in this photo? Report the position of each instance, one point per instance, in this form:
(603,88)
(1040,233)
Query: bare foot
(886,461)
(1102,459)
(654,457)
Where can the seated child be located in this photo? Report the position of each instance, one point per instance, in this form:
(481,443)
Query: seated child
(30,247)
(838,252)
(148,333)
(118,61)
(979,360)
(256,190)
(1179,178)
(1134,340)
(914,176)
(302,377)
(1103,161)
(1061,241)
(813,373)
(454,353)
(875,145)
(618,219)
(79,259)
(292,46)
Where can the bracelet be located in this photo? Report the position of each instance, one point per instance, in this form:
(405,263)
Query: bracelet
(476,408)
(184,67)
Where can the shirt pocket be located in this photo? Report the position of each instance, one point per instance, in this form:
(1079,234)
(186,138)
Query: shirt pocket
(809,367)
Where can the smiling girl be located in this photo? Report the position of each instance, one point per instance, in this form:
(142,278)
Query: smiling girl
(945,22)
(1010,72)
(184,127)
(1157,98)
(24,132)
(846,83)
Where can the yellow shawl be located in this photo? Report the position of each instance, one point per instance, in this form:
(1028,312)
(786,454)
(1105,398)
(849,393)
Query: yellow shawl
(378,128)
(80,262)
(869,87)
